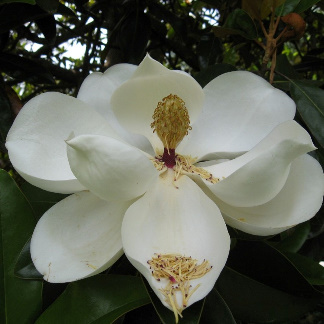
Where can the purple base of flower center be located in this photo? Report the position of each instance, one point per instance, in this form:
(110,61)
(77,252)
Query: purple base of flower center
(169,158)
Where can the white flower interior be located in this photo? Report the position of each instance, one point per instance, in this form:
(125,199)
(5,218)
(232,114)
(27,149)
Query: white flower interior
(175,271)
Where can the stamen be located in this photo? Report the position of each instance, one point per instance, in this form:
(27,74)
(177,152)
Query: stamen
(185,164)
(178,270)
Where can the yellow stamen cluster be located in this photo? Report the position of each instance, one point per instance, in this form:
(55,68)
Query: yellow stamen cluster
(171,121)
(179,271)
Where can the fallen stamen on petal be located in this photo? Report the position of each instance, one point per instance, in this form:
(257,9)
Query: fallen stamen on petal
(178,270)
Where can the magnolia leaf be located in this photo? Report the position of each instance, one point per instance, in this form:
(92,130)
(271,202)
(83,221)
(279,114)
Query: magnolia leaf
(32,2)
(285,72)
(215,310)
(252,7)
(16,14)
(269,5)
(295,239)
(205,76)
(24,267)
(223,31)
(40,200)
(22,68)
(99,299)
(310,104)
(254,302)
(6,114)
(21,300)
(190,316)
(304,5)
(208,50)
(287,7)
(262,8)
(240,21)
(48,5)
(265,264)
(48,27)
(312,270)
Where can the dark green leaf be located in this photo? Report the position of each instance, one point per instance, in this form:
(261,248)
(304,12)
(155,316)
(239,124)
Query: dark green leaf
(296,238)
(24,267)
(48,5)
(20,299)
(132,36)
(48,27)
(16,14)
(24,69)
(32,2)
(287,7)
(65,11)
(304,5)
(215,310)
(237,234)
(310,104)
(205,76)
(263,263)
(40,200)
(312,270)
(284,71)
(6,115)
(207,50)
(284,67)
(100,299)
(253,302)
(190,316)
(241,21)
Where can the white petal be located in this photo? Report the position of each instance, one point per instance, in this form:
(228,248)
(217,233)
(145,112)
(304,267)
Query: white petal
(96,90)
(257,176)
(134,101)
(176,218)
(240,109)
(77,238)
(36,140)
(298,201)
(109,168)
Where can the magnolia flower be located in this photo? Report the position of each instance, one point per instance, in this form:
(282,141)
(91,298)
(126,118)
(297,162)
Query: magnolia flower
(156,164)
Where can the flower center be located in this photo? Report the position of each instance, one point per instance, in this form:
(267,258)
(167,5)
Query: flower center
(171,123)
(177,271)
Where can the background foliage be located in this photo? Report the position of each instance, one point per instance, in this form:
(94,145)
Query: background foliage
(266,280)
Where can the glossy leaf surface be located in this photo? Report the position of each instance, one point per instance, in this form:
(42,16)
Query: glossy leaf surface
(17,224)
(252,301)
(100,299)
(310,104)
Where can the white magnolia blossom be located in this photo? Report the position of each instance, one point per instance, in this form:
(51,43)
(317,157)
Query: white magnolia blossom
(157,166)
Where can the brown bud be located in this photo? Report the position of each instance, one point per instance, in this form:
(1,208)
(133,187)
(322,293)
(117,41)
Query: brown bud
(296,26)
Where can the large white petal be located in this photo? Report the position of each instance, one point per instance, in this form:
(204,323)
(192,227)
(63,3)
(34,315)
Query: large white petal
(134,101)
(77,238)
(96,90)
(36,140)
(109,168)
(298,201)
(176,218)
(240,109)
(257,176)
